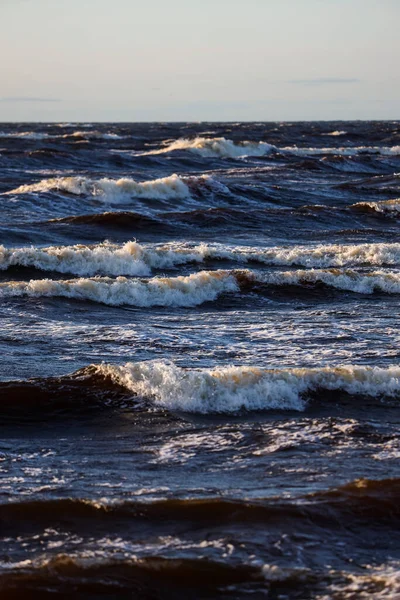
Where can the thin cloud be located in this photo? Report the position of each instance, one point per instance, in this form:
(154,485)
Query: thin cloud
(324,81)
(28,99)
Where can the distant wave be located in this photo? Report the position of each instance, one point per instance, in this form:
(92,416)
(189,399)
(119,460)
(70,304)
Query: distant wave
(27,135)
(343,151)
(386,207)
(336,133)
(116,191)
(135,259)
(34,135)
(92,135)
(204,286)
(221,147)
(215,147)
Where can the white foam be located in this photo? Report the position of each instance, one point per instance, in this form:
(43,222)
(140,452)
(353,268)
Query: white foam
(181,291)
(231,389)
(211,147)
(121,190)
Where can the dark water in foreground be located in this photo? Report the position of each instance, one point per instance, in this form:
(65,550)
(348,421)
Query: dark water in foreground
(199,373)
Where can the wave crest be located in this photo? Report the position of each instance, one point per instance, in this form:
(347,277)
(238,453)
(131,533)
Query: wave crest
(116,191)
(386,207)
(197,288)
(180,291)
(232,389)
(215,147)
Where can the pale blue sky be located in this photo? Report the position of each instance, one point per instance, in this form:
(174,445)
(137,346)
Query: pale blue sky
(177,60)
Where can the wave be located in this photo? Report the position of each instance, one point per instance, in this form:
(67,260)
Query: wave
(336,133)
(109,190)
(80,260)
(27,135)
(354,509)
(343,151)
(215,147)
(233,389)
(385,207)
(92,135)
(348,280)
(222,147)
(122,190)
(147,577)
(135,259)
(359,498)
(226,389)
(180,291)
(197,288)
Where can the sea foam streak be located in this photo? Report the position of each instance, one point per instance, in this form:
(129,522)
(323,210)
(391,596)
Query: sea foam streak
(215,147)
(136,259)
(122,190)
(230,389)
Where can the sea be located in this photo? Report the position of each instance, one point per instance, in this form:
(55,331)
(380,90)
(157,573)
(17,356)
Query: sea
(199,360)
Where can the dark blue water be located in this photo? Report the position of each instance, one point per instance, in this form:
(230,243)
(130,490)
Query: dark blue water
(199,372)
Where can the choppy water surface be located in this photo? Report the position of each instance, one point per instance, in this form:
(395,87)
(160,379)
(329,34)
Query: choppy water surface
(200,375)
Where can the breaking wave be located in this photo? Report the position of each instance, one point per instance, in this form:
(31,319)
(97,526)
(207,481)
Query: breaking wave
(135,259)
(92,135)
(348,280)
(232,389)
(225,389)
(222,147)
(215,147)
(116,191)
(192,290)
(197,288)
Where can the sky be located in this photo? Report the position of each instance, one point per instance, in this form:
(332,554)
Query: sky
(199,60)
